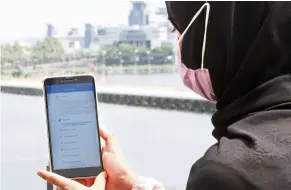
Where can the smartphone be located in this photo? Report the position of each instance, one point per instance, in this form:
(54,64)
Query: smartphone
(72,125)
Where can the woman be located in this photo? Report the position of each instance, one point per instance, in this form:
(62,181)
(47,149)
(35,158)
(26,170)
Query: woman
(245,66)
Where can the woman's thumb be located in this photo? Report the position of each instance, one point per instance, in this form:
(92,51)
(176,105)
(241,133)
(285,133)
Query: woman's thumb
(100,181)
(111,163)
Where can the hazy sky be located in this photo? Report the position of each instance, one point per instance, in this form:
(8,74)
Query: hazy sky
(20,19)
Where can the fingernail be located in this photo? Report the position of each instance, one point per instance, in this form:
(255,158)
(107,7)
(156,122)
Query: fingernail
(105,175)
(39,173)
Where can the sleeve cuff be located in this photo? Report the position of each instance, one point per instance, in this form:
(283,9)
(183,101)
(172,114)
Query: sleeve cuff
(144,183)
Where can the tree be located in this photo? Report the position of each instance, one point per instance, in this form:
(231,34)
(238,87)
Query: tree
(37,51)
(51,49)
(164,49)
(13,53)
(127,53)
(126,48)
(6,51)
(161,54)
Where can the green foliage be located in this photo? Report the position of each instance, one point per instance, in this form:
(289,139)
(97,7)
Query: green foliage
(163,49)
(3,73)
(12,53)
(51,50)
(126,48)
(48,50)
(126,55)
(17,74)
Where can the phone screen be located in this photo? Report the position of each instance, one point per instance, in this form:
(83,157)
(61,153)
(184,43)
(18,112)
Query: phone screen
(73,126)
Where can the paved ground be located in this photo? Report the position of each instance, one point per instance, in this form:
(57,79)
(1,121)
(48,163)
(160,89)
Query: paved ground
(157,143)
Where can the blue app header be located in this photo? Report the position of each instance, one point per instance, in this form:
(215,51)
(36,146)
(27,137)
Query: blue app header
(64,88)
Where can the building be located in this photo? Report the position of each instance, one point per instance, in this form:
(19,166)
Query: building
(162,11)
(140,36)
(108,35)
(89,35)
(50,30)
(143,36)
(138,15)
(139,32)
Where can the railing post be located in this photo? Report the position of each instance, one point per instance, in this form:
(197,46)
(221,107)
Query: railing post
(49,186)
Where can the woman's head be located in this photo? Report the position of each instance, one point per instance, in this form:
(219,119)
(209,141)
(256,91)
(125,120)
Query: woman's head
(248,43)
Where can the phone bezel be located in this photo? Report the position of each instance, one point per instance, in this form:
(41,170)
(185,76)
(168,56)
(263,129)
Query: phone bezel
(74,172)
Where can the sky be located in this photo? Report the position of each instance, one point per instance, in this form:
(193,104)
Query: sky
(25,19)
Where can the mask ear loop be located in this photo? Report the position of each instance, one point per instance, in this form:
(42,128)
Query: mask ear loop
(205,31)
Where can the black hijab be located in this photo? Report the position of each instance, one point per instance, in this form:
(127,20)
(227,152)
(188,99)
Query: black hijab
(248,54)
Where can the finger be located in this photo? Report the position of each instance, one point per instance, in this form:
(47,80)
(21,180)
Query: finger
(104,133)
(109,159)
(59,181)
(111,163)
(109,138)
(103,149)
(100,181)
(103,145)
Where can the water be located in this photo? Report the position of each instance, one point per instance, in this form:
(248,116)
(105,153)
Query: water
(160,144)
(167,79)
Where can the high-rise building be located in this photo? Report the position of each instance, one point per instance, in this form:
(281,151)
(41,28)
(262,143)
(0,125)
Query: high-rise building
(50,30)
(162,11)
(138,14)
(89,35)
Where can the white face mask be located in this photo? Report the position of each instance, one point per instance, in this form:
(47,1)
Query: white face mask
(197,80)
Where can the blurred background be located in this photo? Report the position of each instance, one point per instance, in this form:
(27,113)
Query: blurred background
(123,43)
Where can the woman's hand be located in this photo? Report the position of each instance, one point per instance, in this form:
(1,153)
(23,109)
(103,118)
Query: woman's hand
(119,174)
(63,183)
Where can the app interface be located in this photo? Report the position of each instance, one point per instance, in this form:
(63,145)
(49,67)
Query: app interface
(73,126)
